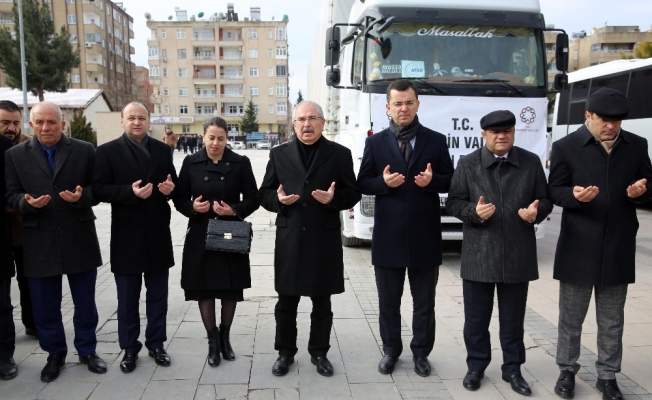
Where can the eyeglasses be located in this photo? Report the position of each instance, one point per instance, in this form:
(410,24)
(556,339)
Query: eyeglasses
(408,103)
(311,119)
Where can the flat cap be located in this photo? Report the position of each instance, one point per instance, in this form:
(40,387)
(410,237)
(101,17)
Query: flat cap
(498,120)
(609,104)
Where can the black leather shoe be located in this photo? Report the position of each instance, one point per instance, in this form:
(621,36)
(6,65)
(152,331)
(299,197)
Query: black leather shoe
(31,332)
(324,367)
(160,357)
(518,384)
(609,389)
(128,363)
(95,364)
(386,364)
(565,387)
(422,366)
(472,380)
(282,364)
(52,368)
(8,369)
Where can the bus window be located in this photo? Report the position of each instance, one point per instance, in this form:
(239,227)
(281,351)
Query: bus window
(562,109)
(640,88)
(616,81)
(576,114)
(580,90)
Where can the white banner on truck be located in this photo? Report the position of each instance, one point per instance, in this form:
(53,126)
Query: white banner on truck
(458,118)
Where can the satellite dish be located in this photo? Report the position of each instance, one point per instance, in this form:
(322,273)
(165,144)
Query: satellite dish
(201,14)
(148,16)
(170,18)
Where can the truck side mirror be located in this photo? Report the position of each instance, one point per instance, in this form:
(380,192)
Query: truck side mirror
(333,77)
(332,46)
(561,52)
(561,81)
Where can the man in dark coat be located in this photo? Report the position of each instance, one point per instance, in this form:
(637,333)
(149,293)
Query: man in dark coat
(499,192)
(10,119)
(598,175)
(406,167)
(136,175)
(49,182)
(8,367)
(307,182)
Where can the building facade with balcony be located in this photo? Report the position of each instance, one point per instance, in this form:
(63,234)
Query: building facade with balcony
(102,31)
(603,44)
(213,66)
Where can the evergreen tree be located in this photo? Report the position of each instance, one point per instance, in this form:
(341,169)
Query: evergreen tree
(81,129)
(643,49)
(49,56)
(299,98)
(249,121)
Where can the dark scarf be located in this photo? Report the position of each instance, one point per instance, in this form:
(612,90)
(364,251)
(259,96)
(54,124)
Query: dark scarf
(404,135)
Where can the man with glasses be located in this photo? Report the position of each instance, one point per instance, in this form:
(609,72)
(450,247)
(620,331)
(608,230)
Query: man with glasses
(10,119)
(307,183)
(406,167)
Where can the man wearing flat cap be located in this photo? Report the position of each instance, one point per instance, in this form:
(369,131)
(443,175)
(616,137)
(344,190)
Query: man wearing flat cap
(598,175)
(499,192)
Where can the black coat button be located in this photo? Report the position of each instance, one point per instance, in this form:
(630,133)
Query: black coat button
(206,178)
(303,228)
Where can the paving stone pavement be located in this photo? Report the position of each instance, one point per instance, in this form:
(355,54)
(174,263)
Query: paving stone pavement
(355,342)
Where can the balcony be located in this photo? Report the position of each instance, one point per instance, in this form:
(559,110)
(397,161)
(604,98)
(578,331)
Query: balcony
(205,96)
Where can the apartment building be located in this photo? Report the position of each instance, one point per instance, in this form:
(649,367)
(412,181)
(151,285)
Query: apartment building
(205,66)
(102,31)
(144,89)
(603,44)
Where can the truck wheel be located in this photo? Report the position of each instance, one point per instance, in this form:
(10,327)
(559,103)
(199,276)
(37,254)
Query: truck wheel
(349,241)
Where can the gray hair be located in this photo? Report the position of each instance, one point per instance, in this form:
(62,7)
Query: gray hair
(308,102)
(46,103)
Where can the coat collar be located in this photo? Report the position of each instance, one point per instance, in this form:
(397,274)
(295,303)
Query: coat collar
(63,150)
(421,142)
(585,137)
(223,167)
(489,158)
(128,157)
(322,153)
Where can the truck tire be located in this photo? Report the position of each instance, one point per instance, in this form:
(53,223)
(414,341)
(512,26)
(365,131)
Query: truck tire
(349,241)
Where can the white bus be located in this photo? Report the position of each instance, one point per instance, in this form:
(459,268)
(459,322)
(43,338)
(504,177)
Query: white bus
(632,77)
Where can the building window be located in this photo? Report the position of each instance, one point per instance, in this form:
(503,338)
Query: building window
(70,1)
(164,54)
(280,33)
(153,52)
(233,129)
(183,91)
(101,6)
(166,91)
(47,1)
(270,71)
(181,34)
(271,109)
(281,51)
(185,128)
(165,72)
(253,71)
(270,34)
(270,53)
(575,55)
(73,38)
(74,78)
(72,19)
(281,89)
(183,73)
(153,70)
(253,91)
(253,34)
(253,53)
(282,108)
(183,109)
(270,91)
(595,47)
(166,110)
(181,53)
(163,36)
(281,70)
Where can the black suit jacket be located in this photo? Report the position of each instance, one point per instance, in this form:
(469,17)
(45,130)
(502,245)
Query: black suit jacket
(140,229)
(7,268)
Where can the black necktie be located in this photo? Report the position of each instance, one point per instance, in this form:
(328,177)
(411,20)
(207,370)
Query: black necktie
(501,159)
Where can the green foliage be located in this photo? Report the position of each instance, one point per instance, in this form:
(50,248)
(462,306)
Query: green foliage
(81,129)
(49,56)
(299,98)
(643,50)
(249,121)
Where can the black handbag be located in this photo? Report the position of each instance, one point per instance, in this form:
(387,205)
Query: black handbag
(229,236)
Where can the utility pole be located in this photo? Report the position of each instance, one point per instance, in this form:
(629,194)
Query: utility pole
(23,68)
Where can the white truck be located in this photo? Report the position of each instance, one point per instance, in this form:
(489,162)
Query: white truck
(466,57)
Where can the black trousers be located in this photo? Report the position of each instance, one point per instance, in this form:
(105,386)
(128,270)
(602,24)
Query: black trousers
(478,306)
(7,328)
(321,322)
(26,313)
(156,306)
(423,281)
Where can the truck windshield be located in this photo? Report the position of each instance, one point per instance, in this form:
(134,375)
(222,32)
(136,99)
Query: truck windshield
(464,54)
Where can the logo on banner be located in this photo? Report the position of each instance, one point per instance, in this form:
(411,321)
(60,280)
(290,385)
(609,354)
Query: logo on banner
(528,115)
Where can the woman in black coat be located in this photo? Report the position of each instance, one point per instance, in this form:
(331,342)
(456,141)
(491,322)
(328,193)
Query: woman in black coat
(215,182)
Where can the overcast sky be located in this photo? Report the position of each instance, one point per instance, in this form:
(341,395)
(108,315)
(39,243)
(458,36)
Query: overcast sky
(570,15)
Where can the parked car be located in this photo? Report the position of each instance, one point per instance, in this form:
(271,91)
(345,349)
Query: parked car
(263,145)
(235,145)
